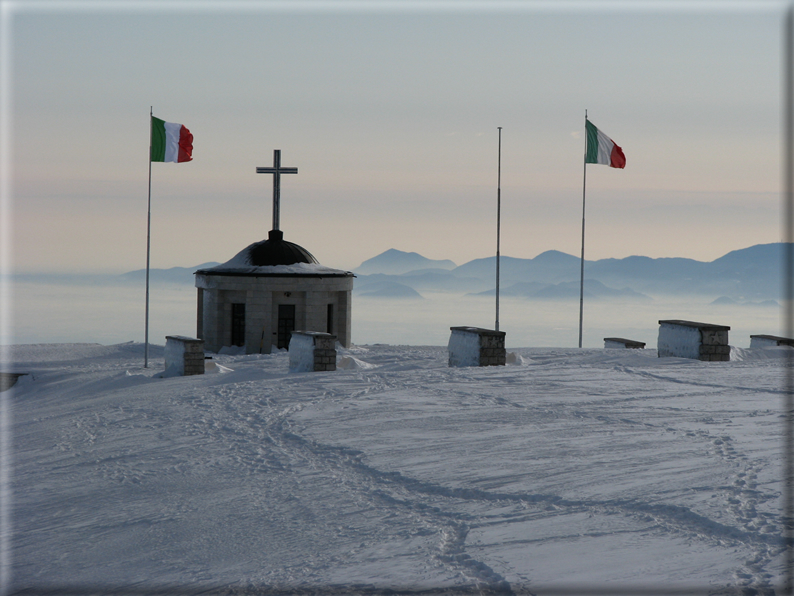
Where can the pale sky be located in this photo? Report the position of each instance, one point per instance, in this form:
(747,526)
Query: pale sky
(390,112)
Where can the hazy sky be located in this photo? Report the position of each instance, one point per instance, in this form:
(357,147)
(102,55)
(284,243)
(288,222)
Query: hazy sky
(390,112)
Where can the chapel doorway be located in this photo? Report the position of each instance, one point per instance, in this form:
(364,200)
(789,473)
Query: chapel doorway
(286,324)
(238,324)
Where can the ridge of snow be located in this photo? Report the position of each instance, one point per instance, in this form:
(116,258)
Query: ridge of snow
(238,266)
(240,263)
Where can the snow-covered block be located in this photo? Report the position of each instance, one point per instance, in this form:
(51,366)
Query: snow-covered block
(688,339)
(311,351)
(472,346)
(769,341)
(9,379)
(620,343)
(183,356)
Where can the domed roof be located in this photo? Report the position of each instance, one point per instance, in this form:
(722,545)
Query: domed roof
(277,251)
(274,257)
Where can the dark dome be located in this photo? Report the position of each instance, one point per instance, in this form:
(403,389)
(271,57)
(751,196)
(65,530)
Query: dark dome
(277,251)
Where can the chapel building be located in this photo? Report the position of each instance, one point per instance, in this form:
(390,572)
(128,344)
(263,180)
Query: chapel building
(268,290)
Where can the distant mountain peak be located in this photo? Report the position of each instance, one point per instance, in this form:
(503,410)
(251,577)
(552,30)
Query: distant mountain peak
(555,255)
(394,251)
(397,262)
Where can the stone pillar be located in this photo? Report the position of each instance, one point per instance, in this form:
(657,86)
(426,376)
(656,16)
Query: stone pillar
(472,346)
(769,341)
(183,356)
(688,339)
(312,351)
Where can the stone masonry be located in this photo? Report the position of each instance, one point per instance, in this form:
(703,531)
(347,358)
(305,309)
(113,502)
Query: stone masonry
(192,354)
(713,345)
(262,294)
(492,348)
(312,351)
(489,347)
(324,351)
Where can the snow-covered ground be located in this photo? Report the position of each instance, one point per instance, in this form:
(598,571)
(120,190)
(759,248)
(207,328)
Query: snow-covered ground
(571,469)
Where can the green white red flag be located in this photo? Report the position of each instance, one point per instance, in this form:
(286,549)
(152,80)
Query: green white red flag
(601,149)
(171,142)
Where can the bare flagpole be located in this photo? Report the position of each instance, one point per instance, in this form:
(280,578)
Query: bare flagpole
(581,278)
(788,259)
(148,245)
(498,220)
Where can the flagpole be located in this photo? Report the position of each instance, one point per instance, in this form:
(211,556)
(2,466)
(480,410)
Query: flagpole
(498,220)
(148,245)
(581,277)
(788,258)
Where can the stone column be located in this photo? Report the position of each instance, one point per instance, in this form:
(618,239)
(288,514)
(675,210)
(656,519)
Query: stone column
(473,346)
(689,339)
(184,356)
(312,351)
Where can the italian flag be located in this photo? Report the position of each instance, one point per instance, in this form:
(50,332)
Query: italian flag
(601,149)
(171,142)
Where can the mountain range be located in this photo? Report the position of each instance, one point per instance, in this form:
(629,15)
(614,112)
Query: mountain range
(397,262)
(752,275)
(745,275)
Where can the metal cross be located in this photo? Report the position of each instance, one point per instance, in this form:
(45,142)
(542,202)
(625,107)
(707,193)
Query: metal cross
(276,170)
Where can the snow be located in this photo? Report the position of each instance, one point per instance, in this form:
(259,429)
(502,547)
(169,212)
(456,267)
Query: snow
(513,358)
(464,348)
(678,340)
(212,367)
(352,363)
(614,345)
(301,353)
(767,342)
(174,355)
(240,264)
(575,467)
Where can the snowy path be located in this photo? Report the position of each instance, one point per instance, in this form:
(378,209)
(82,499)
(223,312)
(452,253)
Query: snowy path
(576,468)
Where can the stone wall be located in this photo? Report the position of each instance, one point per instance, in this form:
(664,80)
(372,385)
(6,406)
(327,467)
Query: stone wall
(262,295)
